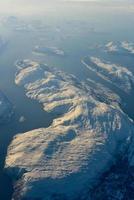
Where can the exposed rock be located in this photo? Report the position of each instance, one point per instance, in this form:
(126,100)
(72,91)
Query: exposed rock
(6,109)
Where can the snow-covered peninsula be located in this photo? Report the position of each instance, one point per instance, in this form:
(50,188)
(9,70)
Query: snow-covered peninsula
(65,160)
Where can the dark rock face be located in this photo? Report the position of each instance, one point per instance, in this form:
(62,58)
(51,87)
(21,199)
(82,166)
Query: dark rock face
(6,109)
(116,184)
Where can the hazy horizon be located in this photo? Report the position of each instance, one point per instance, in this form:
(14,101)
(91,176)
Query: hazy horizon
(21,6)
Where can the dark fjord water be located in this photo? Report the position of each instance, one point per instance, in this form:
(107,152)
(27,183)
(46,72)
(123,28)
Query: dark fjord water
(76,32)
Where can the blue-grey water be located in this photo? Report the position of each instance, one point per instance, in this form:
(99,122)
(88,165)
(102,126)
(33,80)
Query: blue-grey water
(76,30)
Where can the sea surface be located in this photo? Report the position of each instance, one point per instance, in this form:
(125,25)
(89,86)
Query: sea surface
(78,30)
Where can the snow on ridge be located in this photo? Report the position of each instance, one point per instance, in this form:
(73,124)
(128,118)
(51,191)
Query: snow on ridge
(128,46)
(84,140)
(111,47)
(123,47)
(118,75)
(49,50)
(114,47)
(103,93)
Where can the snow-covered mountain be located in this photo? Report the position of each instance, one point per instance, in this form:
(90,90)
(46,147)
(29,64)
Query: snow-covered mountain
(117,75)
(86,138)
